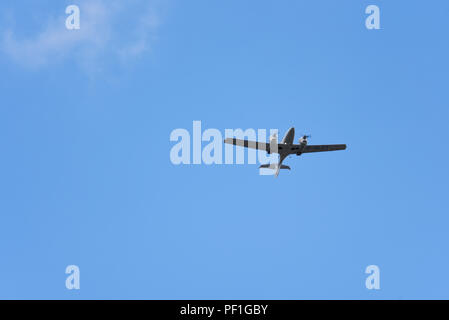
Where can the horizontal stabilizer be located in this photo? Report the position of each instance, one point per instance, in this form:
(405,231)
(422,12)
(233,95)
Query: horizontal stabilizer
(273,166)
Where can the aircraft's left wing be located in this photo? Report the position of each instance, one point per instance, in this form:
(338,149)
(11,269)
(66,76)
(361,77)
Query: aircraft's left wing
(248,144)
(323,147)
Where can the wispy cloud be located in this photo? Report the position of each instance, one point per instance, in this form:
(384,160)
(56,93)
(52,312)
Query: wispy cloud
(103,34)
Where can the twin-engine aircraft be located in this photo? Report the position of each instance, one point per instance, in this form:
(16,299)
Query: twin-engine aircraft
(285,148)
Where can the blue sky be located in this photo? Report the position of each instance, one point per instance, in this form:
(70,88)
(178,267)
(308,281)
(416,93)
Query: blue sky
(86,177)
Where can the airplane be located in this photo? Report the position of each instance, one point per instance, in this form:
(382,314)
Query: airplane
(285,148)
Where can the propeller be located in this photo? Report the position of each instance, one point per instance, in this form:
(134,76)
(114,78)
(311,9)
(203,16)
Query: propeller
(304,137)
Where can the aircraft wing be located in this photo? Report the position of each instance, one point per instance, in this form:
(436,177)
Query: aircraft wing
(248,144)
(323,147)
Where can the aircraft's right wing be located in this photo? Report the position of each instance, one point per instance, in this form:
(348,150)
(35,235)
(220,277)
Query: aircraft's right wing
(248,144)
(323,147)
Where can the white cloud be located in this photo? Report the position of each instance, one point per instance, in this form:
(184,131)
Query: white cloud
(102,36)
(144,35)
